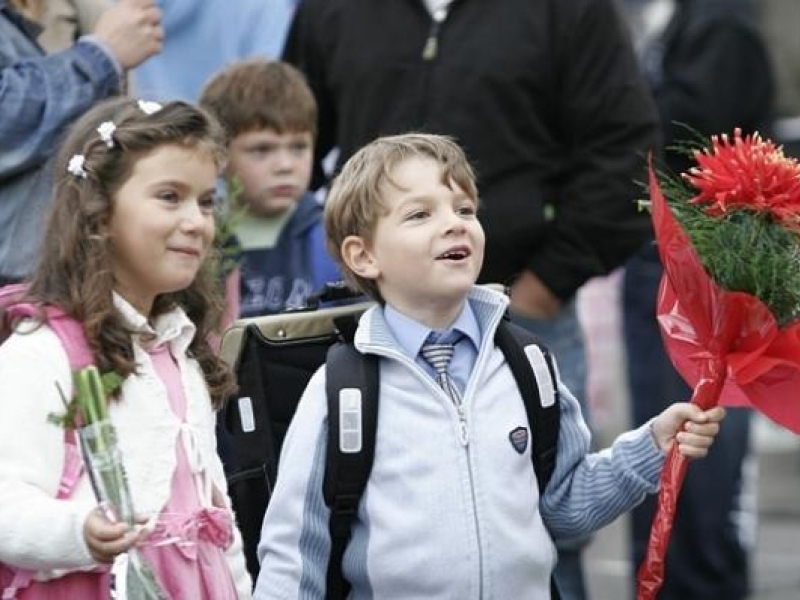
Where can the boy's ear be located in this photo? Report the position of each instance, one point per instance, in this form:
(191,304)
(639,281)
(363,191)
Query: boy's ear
(358,258)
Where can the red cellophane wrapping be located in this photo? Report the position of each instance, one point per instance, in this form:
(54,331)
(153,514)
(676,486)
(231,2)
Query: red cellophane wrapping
(727,346)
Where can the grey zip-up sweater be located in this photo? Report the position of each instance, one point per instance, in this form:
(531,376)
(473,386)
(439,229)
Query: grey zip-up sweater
(440,518)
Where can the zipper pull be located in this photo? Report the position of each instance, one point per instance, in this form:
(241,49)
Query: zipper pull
(462,421)
(432,43)
(431,47)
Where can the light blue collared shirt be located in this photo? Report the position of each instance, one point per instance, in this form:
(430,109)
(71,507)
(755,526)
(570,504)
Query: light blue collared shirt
(411,335)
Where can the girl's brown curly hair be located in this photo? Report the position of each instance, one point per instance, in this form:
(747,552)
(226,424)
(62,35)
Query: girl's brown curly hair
(75,270)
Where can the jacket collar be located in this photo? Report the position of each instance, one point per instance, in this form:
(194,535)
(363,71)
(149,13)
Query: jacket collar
(374,335)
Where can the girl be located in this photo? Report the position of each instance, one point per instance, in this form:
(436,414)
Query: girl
(126,253)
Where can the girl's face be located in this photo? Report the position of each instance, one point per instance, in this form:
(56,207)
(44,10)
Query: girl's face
(162,223)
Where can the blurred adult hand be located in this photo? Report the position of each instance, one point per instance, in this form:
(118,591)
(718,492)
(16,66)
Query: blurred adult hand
(132,30)
(531,298)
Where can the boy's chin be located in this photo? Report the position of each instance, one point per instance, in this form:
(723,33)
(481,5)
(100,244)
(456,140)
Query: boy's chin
(273,209)
(457,292)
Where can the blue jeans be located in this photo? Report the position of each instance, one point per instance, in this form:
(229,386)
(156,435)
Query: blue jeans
(563,336)
(708,551)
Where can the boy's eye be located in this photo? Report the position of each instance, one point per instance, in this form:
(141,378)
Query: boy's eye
(417,214)
(262,150)
(466,210)
(299,147)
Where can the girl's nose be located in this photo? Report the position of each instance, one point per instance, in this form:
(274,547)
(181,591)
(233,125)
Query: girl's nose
(193,217)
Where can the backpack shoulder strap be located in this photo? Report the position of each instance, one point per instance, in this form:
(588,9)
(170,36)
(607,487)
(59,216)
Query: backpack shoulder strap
(534,372)
(73,338)
(352,383)
(68,330)
(11,295)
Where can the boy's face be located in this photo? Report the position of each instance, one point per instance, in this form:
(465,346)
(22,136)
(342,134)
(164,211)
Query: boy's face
(274,169)
(426,253)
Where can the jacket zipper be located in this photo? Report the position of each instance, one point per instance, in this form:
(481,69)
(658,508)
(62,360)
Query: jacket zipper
(431,48)
(428,55)
(475,517)
(464,439)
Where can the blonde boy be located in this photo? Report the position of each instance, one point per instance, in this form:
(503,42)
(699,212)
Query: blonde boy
(269,115)
(452,508)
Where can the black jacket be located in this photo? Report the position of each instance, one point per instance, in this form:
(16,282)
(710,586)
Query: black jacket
(545,96)
(710,71)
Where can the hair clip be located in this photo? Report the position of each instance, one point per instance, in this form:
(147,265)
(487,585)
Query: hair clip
(75,165)
(106,130)
(148,107)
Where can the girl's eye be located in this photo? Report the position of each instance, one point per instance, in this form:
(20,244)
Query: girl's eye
(417,215)
(169,196)
(208,204)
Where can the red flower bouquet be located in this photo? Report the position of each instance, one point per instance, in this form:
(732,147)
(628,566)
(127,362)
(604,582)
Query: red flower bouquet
(728,234)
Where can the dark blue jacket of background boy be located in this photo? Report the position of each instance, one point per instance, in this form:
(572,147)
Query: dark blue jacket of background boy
(282,277)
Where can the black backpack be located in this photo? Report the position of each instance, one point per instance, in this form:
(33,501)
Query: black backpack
(275,356)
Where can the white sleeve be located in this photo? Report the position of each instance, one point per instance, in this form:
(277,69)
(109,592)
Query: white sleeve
(37,531)
(295,543)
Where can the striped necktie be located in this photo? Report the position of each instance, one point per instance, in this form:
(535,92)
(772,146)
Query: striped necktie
(439,356)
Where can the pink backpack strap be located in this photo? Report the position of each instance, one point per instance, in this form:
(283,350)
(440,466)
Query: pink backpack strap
(20,580)
(73,338)
(68,330)
(10,296)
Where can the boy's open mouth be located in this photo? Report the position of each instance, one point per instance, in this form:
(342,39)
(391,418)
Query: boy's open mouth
(457,253)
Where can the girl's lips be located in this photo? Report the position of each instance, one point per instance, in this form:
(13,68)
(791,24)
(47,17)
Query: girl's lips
(186,250)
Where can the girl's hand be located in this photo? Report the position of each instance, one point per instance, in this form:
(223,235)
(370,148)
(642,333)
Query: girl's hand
(105,539)
(695,437)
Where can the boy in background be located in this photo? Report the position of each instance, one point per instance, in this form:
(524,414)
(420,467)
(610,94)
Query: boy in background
(452,508)
(270,116)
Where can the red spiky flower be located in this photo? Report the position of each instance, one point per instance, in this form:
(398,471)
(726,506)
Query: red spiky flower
(747,173)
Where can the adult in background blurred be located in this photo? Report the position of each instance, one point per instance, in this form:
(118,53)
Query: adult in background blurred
(709,70)
(547,100)
(779,19)
(204,36)
(41,94)
(64,21)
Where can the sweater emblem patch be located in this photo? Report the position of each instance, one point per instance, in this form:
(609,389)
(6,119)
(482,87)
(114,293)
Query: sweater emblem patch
(519,439)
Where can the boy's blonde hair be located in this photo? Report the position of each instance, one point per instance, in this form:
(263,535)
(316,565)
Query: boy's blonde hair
(355,201)
(259,94)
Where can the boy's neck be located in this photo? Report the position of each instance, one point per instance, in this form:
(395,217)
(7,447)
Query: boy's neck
(438,318)
(257,231)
